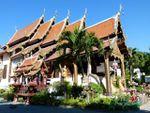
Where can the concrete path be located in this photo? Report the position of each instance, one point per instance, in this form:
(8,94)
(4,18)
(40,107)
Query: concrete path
(20,108)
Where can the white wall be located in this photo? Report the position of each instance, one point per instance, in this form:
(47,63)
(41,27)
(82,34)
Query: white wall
(6,61)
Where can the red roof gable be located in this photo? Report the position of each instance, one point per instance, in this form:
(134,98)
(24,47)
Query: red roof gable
(54,32)
(79,24)
(72,26)
(25,32)
(103,29)
(42,30)
(29,61)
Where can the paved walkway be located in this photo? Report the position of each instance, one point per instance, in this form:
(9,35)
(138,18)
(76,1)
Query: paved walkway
(20,108)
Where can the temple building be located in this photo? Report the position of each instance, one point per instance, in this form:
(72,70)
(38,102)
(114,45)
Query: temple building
(30,55)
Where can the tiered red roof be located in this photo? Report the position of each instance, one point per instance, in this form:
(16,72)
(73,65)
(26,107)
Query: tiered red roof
(103,29)
(54,32)
(27,64)
(29,61)
(42,30)
(36,68)
(47,49)
(25,32)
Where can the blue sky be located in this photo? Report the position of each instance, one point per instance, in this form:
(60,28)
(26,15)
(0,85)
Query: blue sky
(135,20)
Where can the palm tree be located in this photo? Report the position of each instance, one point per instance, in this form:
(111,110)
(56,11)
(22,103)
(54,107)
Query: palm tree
(89,42)
(135,61)
(72,41)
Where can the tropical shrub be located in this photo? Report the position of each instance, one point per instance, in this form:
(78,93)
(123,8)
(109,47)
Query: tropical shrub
(76,91)
(139,89)
(120,102)
(42,97)
(92,90)
(1,92)
(99,103)
(117,81)
(98,89)
(75,102)
(9,93)
(62,88)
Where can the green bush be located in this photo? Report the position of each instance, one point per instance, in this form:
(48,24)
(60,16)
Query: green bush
(9,93)
(92,90)
(75,102)
(76,91)
(140,89)
(62,88)
(1,92)
(96,88)
(116,84)
(41,97)
(99,103)
(134,106)
(120,102)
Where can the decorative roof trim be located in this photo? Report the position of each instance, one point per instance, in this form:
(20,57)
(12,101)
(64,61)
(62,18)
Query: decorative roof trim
(8,43)
(50,24)
(41,18)
(82,22)
(63,27)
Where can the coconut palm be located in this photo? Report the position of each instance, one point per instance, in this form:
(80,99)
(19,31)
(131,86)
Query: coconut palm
(90,41)
(71,41)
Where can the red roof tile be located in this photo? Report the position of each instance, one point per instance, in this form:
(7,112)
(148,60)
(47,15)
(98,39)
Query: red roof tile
(72,26)
(37,65)
(103,29)
(46,50)
(42,30)
(29,61)
(33,69)
(25,32)
(54,32)
(30,48)
(53,56)
(23,69)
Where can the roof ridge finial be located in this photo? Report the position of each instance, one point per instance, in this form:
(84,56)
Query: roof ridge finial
(16,28)
(44,10)
(117,16)
(68,13)
(55,13)
(85,12)
(120,9)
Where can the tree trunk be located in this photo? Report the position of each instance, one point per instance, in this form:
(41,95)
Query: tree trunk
(81,66)
(89,67)
(75,73)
